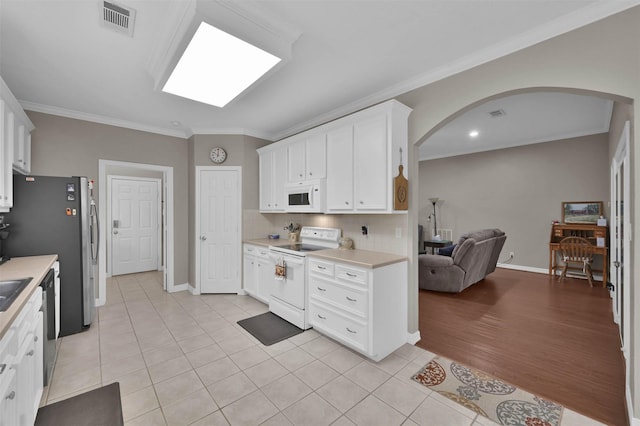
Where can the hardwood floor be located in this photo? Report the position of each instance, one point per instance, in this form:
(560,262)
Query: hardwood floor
(554,339)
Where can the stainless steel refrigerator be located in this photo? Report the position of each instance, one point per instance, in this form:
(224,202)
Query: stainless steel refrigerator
(56,215)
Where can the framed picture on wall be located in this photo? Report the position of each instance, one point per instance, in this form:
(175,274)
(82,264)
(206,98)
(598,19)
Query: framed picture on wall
(581,211)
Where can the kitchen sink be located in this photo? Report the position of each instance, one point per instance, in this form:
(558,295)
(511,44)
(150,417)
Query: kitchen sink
(10,289)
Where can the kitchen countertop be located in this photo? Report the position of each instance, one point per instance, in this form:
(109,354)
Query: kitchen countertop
(266,242)
(22,267)
(362,258)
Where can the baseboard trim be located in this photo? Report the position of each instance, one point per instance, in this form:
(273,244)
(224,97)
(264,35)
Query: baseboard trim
(180,287)
(596,277)
(194,291)
(523,268)
(413,338)
(633,421)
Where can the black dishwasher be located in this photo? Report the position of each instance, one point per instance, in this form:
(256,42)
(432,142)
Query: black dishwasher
(49,325)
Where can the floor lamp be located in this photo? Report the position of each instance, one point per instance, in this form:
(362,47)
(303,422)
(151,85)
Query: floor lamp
(435,220)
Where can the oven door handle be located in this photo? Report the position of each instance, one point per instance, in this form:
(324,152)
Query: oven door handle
(290,260)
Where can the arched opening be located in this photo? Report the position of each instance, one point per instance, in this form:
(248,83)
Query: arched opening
(518,208)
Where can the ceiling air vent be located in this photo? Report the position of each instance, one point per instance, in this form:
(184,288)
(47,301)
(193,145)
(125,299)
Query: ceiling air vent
(118,18)
(497,113)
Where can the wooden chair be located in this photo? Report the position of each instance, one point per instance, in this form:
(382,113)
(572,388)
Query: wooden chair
(577,251)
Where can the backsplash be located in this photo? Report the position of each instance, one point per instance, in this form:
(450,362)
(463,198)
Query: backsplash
(381,235)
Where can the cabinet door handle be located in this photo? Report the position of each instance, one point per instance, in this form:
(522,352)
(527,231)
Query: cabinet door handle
(321,317)
(361,202)
(351,331)
(35,338)
(2,368)
(351,300)
(11,395)
(321,289)
(30,353)
(346,202)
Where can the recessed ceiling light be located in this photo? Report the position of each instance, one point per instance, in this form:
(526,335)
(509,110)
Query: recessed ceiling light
(175,123)
(216,67)
(473,134)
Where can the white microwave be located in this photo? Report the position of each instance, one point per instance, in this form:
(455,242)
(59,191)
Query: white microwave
(306,196)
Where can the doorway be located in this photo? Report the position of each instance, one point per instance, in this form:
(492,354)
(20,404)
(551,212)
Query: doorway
(620,241)
(218,229)
(122,168)
(135,220)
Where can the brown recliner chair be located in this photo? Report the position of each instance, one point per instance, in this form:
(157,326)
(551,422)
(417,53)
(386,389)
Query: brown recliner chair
(475,256)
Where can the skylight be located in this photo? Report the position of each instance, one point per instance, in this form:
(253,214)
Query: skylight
(216,67)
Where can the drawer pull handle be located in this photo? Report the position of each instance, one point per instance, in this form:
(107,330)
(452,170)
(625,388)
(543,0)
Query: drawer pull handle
(2,368)
(321,267)
(322,289)
(351,300)
(11,395)
(321,317)
(349,274)
(351,331)
(30,353)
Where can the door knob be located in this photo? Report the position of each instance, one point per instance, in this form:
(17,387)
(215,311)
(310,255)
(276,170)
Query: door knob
(203,238)
(115,231)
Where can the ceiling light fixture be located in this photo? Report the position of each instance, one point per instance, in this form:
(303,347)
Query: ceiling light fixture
(216,67)
(474,134)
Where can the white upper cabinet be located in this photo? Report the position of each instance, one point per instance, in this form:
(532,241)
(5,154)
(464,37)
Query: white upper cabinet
(340,169)
(22,150)
(15,144)
(358,155)
(371,157)
(272,175)
(307,159)
(363,156)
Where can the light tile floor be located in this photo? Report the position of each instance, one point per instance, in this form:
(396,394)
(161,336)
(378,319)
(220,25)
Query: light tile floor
(183,360)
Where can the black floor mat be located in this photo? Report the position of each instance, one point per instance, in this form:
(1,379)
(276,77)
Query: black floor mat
(269,328)
(96,408)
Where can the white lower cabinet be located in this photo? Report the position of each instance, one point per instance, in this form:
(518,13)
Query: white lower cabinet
(8,400)
(21,365)
(365,309)
(258,279)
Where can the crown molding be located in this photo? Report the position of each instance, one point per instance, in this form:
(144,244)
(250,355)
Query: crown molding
(95,118)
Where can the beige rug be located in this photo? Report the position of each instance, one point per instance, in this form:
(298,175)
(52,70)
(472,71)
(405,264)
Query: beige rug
(490,397)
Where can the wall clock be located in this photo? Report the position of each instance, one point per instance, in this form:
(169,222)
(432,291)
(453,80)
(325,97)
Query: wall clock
(218,155)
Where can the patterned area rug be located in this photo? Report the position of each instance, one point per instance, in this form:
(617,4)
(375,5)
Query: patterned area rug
(501,402)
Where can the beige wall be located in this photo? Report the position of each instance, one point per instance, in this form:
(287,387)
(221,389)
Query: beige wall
(603,57)
(518,190)
(64,147)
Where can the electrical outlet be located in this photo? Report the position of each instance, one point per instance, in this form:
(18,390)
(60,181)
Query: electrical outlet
(365,230)
(398,232)
(511,255)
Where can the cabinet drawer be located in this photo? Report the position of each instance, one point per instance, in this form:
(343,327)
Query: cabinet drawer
(347,329)
(353,299)
(351,274)
(320,267)
(22,324)
(248,249)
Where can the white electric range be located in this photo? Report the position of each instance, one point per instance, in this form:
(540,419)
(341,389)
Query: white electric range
(289,295)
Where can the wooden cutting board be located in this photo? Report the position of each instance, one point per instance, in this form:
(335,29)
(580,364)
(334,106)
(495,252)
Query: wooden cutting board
(400,191)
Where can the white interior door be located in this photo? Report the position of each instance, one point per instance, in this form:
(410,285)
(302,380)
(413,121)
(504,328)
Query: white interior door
(134,224)
(218,232)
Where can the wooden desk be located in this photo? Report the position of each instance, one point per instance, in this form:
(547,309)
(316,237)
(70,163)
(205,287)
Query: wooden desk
(434,244)
(589,231)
